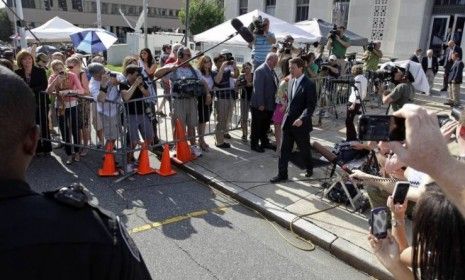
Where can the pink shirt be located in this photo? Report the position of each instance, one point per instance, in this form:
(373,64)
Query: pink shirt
(73,84)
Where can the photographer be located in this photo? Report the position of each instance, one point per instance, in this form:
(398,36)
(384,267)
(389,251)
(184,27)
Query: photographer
(332,68)
(403,91)
(104,89)
(138,121)
(372,56)
(338,44)
(263,40)
(286,51)
(357,95)
(224,97)
(186,84)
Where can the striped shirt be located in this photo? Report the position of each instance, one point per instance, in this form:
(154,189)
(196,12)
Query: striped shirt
(261,47)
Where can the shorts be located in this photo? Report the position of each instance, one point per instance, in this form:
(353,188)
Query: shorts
(186,111)
(140,123)
(111,126)
(96,118)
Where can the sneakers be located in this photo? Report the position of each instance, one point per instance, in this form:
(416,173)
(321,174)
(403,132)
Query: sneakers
(129,168)
(196,150)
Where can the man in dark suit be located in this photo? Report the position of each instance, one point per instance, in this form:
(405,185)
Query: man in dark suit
(297,121)
(455,79)
(430,65)
(262,103)
(448,61)
(416,56)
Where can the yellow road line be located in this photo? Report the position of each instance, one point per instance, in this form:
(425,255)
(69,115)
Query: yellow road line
(177,219)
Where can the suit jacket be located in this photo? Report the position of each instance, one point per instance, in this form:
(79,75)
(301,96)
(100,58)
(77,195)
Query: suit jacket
(38,83)
(435,66)
(301,105)
(448,63)
(265,84)
(414,58)
(456,72)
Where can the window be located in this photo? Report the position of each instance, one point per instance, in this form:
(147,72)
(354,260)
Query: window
(163,12)
(63,5)
(341,12)
(301,10)
(270,7)
(104,8)
(171,13)
(114,9)
(30,4)
(243,6)
(76,5)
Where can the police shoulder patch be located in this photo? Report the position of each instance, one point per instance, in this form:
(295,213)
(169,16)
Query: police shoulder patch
(128,240)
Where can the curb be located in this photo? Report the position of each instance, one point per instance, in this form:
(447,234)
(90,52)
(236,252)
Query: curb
(337,246)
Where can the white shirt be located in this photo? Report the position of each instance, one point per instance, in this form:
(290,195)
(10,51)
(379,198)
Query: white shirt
(109,109)
(430,63)
(361,83)
(294,86)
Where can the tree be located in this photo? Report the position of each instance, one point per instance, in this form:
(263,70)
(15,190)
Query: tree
(203,15)
(6,27)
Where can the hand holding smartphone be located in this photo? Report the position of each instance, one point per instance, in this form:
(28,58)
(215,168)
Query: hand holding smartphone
(381,128)
(400,192)
(379,222)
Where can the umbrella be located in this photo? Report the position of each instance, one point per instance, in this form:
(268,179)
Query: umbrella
(321,28)
(93,40)
(46,49)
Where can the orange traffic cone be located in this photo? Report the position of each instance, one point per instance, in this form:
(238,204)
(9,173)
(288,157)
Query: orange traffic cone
(144,162)
(165,165)
(109,165)
(183,150)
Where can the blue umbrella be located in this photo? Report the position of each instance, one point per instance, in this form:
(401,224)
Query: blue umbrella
(93,40)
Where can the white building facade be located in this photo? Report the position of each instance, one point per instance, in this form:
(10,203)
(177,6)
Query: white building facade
(401,25)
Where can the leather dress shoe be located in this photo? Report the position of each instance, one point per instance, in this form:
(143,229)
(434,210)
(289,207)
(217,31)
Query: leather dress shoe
(278,179)
(309,173)
(257,149)
(224,145)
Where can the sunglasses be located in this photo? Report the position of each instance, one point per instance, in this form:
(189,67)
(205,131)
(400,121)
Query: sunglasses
(70,67)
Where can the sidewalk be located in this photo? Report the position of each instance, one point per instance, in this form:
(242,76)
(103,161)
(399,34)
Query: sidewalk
(245,175)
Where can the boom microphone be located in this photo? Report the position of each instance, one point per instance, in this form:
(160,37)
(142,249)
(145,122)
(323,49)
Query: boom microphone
(242,30)
(327,154)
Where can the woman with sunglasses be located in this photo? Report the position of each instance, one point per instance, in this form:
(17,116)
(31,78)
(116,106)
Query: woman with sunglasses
(204,102)
(36,78)
(64,85)
(74,65)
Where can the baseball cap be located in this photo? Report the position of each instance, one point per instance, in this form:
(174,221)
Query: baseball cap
(225,51)
(332,57)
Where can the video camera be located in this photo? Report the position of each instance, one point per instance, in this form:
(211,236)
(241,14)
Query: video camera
(333,32)
(257,26)
(139,73)
(370,46)
(385,75)
(286,47)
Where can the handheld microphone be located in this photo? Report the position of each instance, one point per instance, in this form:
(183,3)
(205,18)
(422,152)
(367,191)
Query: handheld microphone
(327,154)
(242,30)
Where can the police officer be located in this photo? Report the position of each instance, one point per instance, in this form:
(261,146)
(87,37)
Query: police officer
(56,235)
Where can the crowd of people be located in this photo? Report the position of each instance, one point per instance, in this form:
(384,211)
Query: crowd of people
(279,88)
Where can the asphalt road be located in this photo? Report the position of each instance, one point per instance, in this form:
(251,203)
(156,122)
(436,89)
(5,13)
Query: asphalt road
(187,230)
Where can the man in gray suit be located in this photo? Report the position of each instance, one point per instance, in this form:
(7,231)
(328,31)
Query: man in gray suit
(262,103)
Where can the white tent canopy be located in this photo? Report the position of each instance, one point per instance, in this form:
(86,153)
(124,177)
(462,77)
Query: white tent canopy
(56,30)
(279,27)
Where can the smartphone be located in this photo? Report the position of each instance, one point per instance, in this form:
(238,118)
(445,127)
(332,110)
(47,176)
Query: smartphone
(400,192)
(379,222)
(381,128)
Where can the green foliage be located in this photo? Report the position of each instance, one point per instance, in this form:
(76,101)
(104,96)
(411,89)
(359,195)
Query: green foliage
(203,15)
(6,26)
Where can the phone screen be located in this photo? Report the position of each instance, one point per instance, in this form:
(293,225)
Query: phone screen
(381,128)
(379,222)
(400,192)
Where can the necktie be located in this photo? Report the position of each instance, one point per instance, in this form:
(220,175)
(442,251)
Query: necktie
(275,78)
(294,88)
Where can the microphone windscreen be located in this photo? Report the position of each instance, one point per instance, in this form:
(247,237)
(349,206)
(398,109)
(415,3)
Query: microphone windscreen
(327,154)
(237,24)
(246,34)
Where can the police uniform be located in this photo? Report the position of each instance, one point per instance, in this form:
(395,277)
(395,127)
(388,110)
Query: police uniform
(58,235)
